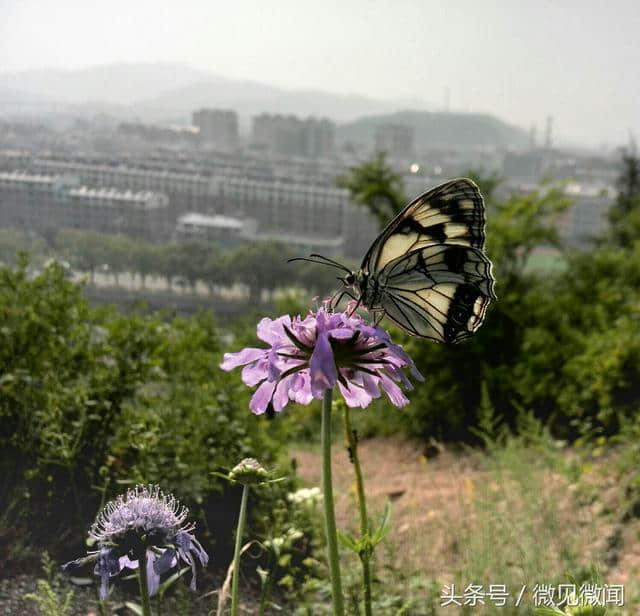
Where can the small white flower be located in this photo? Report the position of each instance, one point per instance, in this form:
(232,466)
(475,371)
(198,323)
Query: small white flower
(305,496)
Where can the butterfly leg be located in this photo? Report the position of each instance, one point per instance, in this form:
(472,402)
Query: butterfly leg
(358,301)
(334,303)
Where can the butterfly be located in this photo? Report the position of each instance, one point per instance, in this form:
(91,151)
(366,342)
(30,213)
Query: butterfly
(427,271)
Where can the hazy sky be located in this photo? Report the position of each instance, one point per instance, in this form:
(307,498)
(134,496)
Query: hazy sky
(576,60)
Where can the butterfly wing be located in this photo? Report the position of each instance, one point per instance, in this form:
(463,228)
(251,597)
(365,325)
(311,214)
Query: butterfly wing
(440,292)
(431,275)
(451,213)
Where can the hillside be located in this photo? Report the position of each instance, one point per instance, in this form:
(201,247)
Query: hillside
(171,92)
(156,92)
(438,129)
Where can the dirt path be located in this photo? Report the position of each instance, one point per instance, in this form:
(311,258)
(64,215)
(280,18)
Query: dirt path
(425,495)
(433,504)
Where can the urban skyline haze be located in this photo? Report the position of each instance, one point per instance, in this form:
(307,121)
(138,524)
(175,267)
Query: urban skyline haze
(577,62)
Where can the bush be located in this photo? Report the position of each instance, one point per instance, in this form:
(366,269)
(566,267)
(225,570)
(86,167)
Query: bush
(92,400)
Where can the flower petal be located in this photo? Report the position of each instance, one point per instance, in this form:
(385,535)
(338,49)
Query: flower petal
(300,387)
(233,360)
(167,561)
(394,393)
(125,561)
(273,368)
(280,395)
(341,333)
(184,544)
(354,395)
(371,385)
(272,332)
(153,579)
(262,397)
(256,372)
(198,550)
(322,366)
(107,566)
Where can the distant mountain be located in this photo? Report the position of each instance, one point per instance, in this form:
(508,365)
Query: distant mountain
(159,92)
(438,129)
(171,92)
(11,95)
(251,98)
(120,84)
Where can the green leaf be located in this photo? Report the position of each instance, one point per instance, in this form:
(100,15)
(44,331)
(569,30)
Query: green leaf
(348,542)
(134,607)
(284,560)
(81,581)
(383,529)
(171,579)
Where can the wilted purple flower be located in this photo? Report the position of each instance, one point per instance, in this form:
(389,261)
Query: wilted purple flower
(307,356)
(144,521)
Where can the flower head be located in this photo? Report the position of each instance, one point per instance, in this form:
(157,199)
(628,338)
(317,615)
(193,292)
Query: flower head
(248,472)
(144,522)
(307,356)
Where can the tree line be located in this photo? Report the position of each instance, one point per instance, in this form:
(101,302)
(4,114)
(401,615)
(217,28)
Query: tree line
(260,266)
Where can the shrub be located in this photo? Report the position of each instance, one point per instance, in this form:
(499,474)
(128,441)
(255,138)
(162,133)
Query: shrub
(91,399)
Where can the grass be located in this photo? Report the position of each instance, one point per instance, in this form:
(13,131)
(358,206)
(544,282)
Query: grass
(526,511)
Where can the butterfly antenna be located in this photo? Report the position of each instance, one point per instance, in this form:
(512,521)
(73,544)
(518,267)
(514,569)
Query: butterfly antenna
(320,260)
(331,261)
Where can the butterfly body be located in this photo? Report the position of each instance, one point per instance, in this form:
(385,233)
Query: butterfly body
(427,270)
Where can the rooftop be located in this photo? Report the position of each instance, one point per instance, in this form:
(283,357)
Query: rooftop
(113,194)
(216,221)
(21,176)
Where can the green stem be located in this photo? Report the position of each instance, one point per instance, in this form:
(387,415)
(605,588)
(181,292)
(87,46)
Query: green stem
(329,513)
(365,555)
(103,608)
(142,580)
(236,554)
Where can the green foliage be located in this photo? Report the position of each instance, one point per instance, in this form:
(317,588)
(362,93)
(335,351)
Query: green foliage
(561,342)
(624,216)
(575,604)
(519,225)
(374,185)
(487,182)
(92,400)
(292,543)
(261,266)
(49,597)
(13,242)
(394,593)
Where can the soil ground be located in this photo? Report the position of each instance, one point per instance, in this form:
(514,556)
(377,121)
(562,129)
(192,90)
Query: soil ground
(432,503)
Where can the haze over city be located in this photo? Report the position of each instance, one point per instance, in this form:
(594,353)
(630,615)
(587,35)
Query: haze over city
(520,62)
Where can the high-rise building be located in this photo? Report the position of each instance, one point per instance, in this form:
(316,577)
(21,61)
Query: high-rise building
(292,136)
(218,127)
(396,140)
(318,137)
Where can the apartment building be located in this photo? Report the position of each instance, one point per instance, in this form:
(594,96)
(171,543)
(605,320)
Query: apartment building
(43,203)
(218,127)
(289,135)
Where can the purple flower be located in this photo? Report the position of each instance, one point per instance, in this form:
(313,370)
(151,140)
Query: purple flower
(144,521)
(307,356)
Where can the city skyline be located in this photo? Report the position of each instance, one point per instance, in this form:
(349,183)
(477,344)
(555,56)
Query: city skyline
(521,64)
